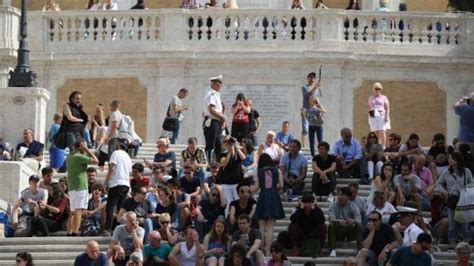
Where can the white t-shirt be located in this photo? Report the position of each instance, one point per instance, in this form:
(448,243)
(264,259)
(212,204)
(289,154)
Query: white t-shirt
(410,234)
(114,116)
(386,211)
(212,98)
(176,101)
(123,168)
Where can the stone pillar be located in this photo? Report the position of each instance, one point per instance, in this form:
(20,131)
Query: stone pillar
(14,178)
(23,108)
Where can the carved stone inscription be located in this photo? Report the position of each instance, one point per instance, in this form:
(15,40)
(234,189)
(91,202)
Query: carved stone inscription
(274,103)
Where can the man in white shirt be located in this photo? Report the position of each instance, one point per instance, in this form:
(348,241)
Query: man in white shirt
(117,181)
(407,220)
(175,111)
(214,118)
(115,120)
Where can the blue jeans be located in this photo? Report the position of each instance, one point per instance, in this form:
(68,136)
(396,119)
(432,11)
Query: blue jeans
(454,228)
(175,133)
(304,124)
(319,134)
(72,137)
(148,226)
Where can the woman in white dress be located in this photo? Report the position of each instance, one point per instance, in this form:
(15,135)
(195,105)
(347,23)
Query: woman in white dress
(379,113)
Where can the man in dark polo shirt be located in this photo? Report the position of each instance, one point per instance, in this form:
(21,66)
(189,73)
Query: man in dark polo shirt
(379,239)
(30,151)
(324,166)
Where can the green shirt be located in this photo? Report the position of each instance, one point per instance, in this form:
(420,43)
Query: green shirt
(76,165)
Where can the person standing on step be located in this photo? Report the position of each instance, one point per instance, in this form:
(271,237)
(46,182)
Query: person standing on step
(74,119)
(76,164)
(117,183)
(268,181)
(214,118)
(113,132)
(311,88)
(176,107)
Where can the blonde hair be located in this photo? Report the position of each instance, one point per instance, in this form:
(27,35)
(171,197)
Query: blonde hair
(314,100)
(377,85)
(164,216)
(57,117)
(163,141)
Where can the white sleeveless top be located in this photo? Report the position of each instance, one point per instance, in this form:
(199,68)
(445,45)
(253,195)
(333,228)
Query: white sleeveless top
(187,257)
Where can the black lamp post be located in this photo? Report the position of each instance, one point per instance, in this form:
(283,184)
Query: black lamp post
(23,76)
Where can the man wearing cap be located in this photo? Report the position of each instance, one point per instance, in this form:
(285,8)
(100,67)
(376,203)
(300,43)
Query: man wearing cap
(407,220)
(465,109)
(213,117)
(416,254)
(307,223)
(23,209)
(76,164)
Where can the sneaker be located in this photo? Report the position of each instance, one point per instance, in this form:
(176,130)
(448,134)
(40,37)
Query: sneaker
(293,198)
(333,253)
(330,198)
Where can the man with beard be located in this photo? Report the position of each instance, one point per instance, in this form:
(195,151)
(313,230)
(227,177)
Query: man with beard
(74,119)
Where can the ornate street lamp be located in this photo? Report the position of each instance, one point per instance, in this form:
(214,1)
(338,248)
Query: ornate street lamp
(23,76)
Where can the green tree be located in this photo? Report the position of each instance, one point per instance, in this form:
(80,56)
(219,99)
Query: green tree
(462,5)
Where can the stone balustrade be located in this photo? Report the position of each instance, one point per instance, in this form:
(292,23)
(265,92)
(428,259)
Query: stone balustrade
(286,30)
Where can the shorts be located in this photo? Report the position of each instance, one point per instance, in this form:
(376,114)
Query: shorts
(78,199)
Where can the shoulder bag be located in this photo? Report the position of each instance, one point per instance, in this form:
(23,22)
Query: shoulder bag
(170,123)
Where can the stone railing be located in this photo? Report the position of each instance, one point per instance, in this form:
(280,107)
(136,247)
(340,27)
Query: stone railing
(404,28)
(286,30)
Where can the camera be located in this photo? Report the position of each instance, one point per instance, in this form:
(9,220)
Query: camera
(467,100)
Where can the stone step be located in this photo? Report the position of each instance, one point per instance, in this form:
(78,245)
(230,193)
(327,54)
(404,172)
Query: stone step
(49,262)
(52,240)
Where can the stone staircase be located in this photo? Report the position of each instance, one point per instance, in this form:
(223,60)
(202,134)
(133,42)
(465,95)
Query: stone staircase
(61,250)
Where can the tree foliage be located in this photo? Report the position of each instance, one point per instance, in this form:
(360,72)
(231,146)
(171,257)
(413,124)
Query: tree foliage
(462,5)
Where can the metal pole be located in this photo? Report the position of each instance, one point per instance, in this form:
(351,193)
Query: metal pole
(23,76)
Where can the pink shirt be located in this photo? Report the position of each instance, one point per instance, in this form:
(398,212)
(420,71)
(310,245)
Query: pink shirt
(378,103)
(425,175)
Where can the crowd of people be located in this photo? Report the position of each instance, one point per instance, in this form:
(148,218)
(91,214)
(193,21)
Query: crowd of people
(52,5)
(219,205)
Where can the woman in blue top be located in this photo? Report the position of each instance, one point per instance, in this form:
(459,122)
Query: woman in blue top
(249,160)
(56,155)
(216,243)
(269,207)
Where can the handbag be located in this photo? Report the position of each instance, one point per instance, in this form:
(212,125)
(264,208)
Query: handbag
(452,200)
(464,212)
(170,123)
(60,139)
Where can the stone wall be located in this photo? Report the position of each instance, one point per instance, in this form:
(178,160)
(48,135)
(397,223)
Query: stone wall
(128,90)
(415,107)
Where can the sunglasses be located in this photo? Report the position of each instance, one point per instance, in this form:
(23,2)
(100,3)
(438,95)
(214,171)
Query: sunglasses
(378,89)
(215,195)
(372,137)
(164,222)
(373,220)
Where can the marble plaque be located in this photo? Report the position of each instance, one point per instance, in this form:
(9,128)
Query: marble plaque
(274,103)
